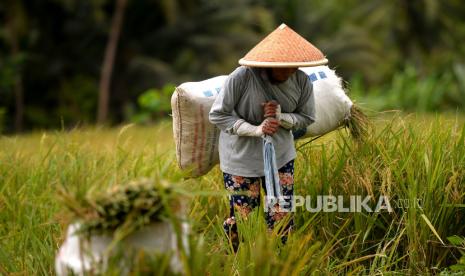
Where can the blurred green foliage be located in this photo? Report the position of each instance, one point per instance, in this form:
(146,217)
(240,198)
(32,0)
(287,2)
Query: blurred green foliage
(408,90)
(153,104)
(459,243)
(10,67)
(413,49)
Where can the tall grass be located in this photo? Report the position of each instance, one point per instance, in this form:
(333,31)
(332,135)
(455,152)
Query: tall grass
(417,162)
(420,166)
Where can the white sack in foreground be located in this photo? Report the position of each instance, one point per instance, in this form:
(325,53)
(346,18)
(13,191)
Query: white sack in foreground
(81,256)
(197,139)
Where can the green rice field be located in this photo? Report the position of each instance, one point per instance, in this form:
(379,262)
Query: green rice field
(417,161)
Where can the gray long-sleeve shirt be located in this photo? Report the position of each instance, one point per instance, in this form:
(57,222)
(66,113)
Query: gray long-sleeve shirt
(241,97)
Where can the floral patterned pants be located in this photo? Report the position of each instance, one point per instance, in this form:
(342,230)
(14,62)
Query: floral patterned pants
(249,198)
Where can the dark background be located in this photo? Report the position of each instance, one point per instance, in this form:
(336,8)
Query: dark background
(400,54)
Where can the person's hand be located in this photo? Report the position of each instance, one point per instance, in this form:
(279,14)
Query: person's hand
(270,109)
(270,126)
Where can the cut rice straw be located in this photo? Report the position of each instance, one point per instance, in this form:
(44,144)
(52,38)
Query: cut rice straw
(357,123)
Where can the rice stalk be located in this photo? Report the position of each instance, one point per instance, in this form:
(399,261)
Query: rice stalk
(358,123)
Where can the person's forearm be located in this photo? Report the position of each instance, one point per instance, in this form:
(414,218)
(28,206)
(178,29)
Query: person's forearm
(295,120)
(243,128)
(292,120)
(286,120)
(269,126)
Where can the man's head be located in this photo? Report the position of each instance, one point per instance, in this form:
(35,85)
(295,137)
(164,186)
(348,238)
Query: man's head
(278,75)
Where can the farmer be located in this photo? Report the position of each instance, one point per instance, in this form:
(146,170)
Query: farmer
(267,95)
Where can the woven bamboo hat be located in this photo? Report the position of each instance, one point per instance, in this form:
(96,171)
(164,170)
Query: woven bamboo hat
(284,48)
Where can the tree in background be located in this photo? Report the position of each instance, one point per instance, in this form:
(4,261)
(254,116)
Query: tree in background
(109,60)
(15,29)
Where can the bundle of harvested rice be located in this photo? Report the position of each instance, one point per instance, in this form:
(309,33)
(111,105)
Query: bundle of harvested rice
(127,207)
(358,123)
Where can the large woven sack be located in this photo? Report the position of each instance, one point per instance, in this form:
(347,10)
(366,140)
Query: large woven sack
(195,137)
(332,105)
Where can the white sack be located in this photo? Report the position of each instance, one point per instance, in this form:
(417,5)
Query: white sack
(195,137)
(81,256)
(332,105)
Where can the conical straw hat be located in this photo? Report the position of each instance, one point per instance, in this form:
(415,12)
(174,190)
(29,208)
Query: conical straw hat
(283,48)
